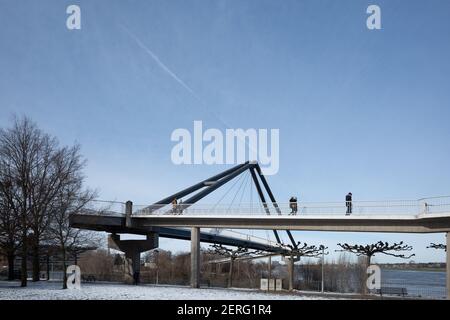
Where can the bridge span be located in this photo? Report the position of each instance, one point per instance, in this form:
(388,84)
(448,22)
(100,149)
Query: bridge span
(187,226)
(171,216)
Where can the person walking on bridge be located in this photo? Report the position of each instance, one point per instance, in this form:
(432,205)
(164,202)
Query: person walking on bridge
(348,203)
(180,207)
(293,206)
(174,205)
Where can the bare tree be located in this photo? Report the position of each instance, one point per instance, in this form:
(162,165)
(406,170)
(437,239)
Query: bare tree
(370,250)
(9,226)
(19,153)
(232,254)
(437,246)
(36,169)
(306,250)
(58,172)
(72,241)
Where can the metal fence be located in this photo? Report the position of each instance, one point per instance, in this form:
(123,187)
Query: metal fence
(104,207)
(424,206)
(419,288)
(390,288)
(434,205)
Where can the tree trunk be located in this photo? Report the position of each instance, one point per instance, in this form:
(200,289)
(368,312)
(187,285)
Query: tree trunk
(23,269)
(36,262)
(365,291)
(230,274)
(48,266)
(11,257)
(63,251)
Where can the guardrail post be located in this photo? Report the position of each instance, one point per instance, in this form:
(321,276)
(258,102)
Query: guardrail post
(128,212)
(195,257)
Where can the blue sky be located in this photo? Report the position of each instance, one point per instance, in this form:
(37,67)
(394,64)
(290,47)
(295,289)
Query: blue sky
(358,110)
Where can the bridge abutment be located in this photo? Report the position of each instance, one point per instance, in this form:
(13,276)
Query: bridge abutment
(195,257)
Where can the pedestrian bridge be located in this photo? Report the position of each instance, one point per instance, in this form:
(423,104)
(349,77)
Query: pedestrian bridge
(427,215)
(404,216)
(169,217)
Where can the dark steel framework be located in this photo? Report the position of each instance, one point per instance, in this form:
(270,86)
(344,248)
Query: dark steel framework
(207,186)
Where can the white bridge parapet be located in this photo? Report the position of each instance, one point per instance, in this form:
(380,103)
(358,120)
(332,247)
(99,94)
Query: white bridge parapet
(425,206)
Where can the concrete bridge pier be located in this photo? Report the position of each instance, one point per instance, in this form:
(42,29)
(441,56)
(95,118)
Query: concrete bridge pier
(133,250)
(448,265)
(195,257)
(135,257)
(290,261)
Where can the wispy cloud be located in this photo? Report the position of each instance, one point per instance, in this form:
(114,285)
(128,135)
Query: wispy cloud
(158,61)
(175,77)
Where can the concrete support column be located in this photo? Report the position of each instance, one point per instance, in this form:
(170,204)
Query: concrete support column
(133,249)
(448,265)
(128,212)
(195,257)
(291,273)
(135,257)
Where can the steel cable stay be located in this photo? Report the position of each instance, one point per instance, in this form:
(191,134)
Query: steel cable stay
(244,180)
(219,230)
(226,193)
(238,190)
(205,187)
(244,189)
(248,181)
(245,184)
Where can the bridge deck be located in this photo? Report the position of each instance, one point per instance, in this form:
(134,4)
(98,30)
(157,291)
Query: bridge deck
(425,223)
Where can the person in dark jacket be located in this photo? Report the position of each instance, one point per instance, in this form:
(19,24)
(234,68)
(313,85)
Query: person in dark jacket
(293,205)
(174,206)
(348,203)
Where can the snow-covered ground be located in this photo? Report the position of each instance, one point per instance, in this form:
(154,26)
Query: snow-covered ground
(106,291)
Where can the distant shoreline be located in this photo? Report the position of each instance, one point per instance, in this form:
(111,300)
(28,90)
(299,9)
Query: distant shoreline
(414,269)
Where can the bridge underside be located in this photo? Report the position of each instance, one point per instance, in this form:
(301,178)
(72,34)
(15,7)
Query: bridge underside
(117,225)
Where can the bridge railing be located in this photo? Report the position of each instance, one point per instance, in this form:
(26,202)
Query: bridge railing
(104,207)
(389,207)
(435,204)
(431,205)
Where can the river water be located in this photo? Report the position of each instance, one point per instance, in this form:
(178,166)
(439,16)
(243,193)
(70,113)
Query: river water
(427,284)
